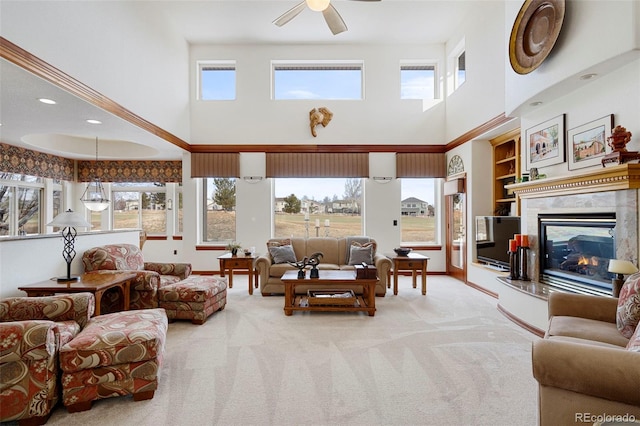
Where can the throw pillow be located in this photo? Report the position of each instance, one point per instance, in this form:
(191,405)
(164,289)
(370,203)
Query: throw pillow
(282,254)
(370,244)
(628,313)
(634,342)
(278,243)
(359,254)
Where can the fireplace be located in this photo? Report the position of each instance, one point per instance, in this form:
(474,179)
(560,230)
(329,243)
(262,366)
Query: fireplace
(575,250)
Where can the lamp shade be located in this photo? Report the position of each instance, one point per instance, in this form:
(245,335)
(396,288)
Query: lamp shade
(623,267)
(69,219)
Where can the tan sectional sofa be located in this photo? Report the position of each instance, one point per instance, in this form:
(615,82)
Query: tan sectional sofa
(334,258)
(584,365)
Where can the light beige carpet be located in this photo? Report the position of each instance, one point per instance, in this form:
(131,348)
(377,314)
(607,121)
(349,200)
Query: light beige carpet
(447,358)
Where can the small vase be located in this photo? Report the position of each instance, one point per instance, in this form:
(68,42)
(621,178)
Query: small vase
(234,251)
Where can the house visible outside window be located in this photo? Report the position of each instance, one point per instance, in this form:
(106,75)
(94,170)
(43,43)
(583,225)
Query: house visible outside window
(333,207)
(461,70)
(20,204)
(313,80)
(217,80)
(418,210)
(219,198)
(417,81)
(140,205)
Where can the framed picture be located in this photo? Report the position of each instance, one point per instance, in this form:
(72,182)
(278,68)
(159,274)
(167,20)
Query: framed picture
(545,143)
(587,144)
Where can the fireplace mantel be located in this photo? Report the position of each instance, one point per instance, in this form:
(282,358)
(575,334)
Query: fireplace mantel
(612,178)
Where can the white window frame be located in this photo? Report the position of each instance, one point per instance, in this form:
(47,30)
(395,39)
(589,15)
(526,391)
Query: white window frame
(318,65)
(452,67)
(217,64)
(115,187)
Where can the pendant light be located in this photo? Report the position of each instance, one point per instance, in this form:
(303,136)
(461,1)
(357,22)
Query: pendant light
(94,198)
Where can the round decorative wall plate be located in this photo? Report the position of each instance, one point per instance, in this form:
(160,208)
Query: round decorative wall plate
(455,165)
(534,33)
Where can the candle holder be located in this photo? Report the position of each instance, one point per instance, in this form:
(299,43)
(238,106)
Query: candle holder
(306,228)
(523,264)
(513,269)
(317,230)
(326,230)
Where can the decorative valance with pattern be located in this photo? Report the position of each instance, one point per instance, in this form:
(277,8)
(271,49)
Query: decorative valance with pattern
(314,165)
(27,162)
(130,171)
(421,165)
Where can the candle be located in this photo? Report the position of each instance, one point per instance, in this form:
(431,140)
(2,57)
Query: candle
(326,223)
(306,216)
(518,239)
(512,246)
(525,241)
(317,223)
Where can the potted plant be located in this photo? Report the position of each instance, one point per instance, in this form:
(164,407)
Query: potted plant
(233,247)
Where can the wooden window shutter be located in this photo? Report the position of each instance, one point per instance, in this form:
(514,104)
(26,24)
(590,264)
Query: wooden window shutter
(210,164)
(421,165)
(304,164)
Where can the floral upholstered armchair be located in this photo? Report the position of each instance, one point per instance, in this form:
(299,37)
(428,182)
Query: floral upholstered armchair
(32,330)
(150,275)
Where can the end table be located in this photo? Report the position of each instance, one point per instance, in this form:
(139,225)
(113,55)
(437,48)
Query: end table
(240,261)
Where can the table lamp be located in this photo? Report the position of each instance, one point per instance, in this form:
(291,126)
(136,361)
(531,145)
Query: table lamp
(68,221)
(620,268)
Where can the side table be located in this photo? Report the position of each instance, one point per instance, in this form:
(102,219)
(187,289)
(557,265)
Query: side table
(414,262)
(97,282)
(239,262)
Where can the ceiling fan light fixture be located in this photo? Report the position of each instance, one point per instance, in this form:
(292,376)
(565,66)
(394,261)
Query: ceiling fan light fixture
(318,5)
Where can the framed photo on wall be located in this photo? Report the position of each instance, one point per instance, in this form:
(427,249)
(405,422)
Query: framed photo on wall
(545,143)
(587,144)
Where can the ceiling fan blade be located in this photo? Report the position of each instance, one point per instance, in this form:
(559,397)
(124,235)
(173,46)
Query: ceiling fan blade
(290,14)
(334,20)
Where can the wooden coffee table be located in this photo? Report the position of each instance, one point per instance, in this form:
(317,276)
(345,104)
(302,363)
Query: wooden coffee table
(338,280)
(96,282)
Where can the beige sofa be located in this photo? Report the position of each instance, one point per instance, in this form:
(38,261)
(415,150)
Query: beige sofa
(582,365)
(334,258)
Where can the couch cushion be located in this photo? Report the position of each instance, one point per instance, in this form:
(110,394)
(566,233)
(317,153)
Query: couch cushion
(113,257)
(587,329)
(282,254)
(328,246)
(117,338)
(628,313)
(634,342)
(356,240)
(582,341)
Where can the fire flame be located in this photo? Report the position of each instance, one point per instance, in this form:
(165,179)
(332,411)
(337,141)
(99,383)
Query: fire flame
(593,260)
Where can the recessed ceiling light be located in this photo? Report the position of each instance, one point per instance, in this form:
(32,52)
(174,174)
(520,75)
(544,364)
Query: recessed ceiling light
(588,76)
(536,103)
(47,101)
(92,121)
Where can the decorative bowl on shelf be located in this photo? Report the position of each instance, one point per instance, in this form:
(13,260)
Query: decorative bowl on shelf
(402,251)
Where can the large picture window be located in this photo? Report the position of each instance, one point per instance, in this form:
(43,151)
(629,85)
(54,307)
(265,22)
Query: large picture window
(140,205)
(318,206)
(219,198)
(419,211)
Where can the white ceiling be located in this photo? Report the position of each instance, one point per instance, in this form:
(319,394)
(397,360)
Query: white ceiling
(61,129)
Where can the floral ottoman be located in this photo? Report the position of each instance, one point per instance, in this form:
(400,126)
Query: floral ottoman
(115,354)
(194,298)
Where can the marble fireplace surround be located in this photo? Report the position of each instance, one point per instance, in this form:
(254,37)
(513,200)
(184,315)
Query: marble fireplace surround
(606,190)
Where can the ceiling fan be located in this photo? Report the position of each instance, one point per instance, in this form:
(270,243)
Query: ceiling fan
(331,15)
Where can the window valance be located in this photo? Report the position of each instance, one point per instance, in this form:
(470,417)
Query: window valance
(33,163)
(130,171)
(212,164)
(306,164)
(421,165)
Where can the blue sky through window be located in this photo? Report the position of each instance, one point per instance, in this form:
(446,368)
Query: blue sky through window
(317,84)
(417,84)
(218,84)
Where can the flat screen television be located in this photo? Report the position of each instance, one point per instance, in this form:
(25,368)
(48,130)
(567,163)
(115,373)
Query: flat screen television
(492,239)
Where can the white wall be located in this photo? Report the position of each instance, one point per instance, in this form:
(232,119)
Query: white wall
(33,259)
(119,48)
